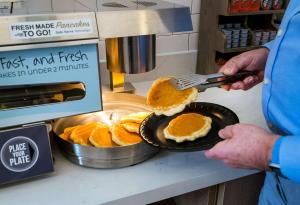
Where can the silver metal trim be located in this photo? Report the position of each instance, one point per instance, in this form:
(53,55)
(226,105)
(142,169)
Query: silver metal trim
(48,45)
(126,23)
(132,55)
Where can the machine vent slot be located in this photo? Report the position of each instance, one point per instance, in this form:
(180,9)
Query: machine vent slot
(145,3)
(114,5)
(12,97)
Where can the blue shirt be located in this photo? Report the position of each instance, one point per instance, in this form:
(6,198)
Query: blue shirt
(281,91)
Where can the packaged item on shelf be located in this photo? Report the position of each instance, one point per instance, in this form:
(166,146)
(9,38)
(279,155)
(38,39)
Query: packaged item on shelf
(257,38)
(234,6)
(262,37)
(243,40)
(236,36)
(250,5)
(244,35)
(266,4)
(264,40)
(254,5)
(235,41)
(258,33)
(236,32)
(273,34)
(277,4)
(228,25)
(244,6)
(237,25)
(235,45)
(221,26)
(244,31)
(226,32)
(265,34)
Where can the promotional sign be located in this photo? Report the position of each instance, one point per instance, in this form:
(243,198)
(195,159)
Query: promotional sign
(50,28)
(76,63)
(24,153)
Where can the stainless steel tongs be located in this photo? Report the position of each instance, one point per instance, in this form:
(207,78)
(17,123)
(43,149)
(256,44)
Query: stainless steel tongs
(202,82)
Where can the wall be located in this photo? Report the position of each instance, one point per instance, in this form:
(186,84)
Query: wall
(177,52)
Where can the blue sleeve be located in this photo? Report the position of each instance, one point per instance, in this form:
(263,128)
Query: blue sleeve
(275,152)
(269,45)
(288,154)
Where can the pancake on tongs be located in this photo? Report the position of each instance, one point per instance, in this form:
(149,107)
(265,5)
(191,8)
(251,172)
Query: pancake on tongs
(165,99)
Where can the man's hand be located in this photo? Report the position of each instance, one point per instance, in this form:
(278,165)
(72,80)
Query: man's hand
(244,146)
(254,60)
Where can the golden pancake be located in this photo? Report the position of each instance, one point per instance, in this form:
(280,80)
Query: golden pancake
(67,133)
(164,99)
(188,127)
(135,117)
(101,137)
(80,135)
(132,127)
(122,137)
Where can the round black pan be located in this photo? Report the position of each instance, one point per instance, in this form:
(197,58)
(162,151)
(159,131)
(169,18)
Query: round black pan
(152,127)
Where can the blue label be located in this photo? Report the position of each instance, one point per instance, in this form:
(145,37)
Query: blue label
(51,65)
(24,153)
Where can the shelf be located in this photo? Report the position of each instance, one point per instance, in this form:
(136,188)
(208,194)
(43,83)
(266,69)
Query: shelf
(254,13)
(223,5)
(239,49)
(212,42)
(221,42)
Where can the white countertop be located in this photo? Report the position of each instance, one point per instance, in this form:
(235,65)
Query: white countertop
(166,175)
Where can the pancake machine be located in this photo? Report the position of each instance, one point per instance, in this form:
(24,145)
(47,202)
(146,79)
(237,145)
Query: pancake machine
(129,29)
(49,69)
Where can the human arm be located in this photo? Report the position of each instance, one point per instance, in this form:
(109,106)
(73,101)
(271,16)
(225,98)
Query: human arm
(286,154)
(244,146)
(251,147)
(254,60)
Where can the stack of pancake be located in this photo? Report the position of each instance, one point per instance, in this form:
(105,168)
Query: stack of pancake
(165,99)
(124,132)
